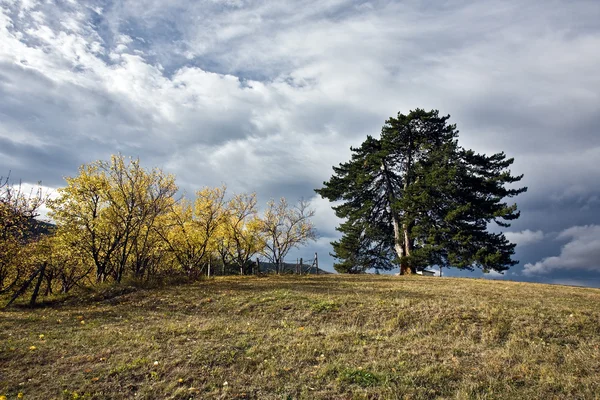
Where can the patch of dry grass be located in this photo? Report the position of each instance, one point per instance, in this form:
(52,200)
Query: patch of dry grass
(330,337)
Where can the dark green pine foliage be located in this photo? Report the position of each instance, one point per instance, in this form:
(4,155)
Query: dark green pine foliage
(368,239)
(415,198)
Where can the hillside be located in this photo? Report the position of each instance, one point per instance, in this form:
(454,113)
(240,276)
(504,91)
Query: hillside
(328,337)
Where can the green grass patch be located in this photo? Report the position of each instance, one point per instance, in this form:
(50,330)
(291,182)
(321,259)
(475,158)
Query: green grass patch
(324,306)
(359,377)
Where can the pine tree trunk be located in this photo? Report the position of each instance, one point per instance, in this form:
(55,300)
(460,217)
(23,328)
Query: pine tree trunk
(398,245)
(398,239)
(405,268)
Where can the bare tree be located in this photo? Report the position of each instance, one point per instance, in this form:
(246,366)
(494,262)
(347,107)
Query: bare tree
(286,227)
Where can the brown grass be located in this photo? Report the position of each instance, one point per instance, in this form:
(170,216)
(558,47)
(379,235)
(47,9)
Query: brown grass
(328,337)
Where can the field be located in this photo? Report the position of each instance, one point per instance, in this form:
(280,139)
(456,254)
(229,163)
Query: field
(309,337)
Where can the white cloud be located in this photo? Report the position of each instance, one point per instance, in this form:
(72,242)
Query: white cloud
(36,191)
(525,237)
(582,252)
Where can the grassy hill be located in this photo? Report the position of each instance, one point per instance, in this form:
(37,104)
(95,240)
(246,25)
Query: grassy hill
(328,337)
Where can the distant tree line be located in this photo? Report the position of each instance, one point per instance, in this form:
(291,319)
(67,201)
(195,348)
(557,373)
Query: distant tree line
(117,219)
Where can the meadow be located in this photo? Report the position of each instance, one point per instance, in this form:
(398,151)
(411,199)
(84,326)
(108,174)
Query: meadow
(307,337)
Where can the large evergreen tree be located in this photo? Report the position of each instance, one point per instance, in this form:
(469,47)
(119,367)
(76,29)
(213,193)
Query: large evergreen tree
(415,198)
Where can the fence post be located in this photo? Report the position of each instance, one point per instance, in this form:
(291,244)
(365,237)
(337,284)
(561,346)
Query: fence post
(317,263)
(301,262)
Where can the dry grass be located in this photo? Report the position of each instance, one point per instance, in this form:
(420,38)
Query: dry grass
(329,337)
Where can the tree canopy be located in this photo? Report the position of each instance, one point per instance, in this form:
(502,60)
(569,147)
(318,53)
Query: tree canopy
(415,198)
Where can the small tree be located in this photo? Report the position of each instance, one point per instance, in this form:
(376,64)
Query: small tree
(240,236)
(191,233)
(284,228)
(81,210)
(18,226)
(243,230)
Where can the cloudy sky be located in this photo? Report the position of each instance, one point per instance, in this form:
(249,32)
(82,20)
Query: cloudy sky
(267,95)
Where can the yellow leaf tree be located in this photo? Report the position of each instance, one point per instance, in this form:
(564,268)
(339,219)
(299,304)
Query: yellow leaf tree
(243,230)
(192,234)
(18,227)
(112,210)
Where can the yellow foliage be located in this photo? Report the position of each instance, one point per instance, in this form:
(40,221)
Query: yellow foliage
(111,210)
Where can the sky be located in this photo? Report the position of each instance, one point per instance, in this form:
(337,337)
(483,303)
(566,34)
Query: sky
(267,96)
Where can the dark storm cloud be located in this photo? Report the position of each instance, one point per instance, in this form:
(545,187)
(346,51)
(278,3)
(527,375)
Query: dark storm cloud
(33,164)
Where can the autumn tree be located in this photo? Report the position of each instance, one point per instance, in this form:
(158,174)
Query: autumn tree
(242,230)
(68,264)
(285,227)
(111,209)
(191,235)
(224,251)
(137,198)
(414,197)
(82,211)
(18,226)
